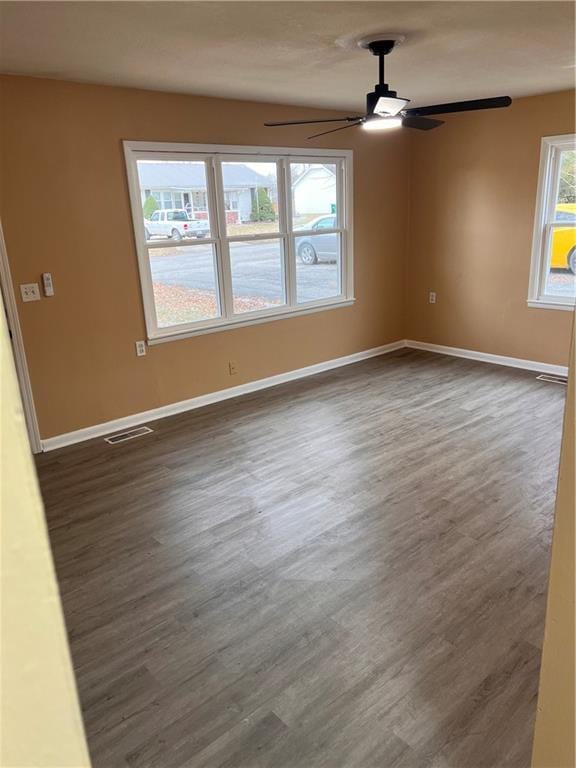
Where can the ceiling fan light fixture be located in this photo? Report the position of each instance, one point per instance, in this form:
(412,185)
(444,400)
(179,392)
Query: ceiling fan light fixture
(382,123)
(388,105)
(386,110)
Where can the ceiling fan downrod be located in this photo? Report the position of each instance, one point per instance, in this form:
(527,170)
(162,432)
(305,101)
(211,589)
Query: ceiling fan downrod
(382,100)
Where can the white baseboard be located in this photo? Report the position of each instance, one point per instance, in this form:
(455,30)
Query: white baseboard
(485,357)
(134,420)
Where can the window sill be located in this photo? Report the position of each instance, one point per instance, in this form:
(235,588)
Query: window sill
(549,304)
(241,322)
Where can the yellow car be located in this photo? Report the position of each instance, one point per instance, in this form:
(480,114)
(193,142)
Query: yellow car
(564,239)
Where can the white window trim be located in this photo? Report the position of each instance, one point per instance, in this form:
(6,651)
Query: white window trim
(134,150)
(550,148)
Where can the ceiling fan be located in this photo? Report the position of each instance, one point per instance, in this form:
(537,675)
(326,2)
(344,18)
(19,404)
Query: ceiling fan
(385,109)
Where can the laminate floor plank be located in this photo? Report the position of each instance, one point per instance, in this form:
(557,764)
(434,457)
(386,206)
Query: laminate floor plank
(346,571)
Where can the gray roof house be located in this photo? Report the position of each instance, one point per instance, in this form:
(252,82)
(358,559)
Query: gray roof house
(183,185)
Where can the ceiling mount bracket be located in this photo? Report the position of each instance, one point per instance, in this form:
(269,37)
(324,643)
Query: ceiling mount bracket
(381,47)
(390,39)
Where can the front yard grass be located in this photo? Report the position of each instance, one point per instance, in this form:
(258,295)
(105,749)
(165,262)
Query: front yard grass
(177,304)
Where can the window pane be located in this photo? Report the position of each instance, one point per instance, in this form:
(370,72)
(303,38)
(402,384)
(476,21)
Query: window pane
(165,184)
(185,284)
(257,275)
(250,198)
(561,274)
(566,197)
(317,267)
(314,192)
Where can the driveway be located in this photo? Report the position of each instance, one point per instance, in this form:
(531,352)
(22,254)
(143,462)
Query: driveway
(256,272)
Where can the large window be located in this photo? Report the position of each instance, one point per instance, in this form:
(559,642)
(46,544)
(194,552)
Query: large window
(553,270)
(232,235)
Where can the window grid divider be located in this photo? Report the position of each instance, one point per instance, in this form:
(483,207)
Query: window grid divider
(224,267)
(285,194)
(341,220)
(283,227)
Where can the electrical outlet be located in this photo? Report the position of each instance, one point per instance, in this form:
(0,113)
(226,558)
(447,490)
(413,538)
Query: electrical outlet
(432,297)
(140,348)
(232,367)
(30,292)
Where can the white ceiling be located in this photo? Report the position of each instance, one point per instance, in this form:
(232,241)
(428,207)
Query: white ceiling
(287,52)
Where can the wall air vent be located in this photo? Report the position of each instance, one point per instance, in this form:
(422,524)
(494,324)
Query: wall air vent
(553,379)
(130,434)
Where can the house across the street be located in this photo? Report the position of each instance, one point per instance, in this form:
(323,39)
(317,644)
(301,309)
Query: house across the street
(314,190)
(183,185)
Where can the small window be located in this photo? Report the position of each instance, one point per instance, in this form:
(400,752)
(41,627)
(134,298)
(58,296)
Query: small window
(248,234)
(553,268)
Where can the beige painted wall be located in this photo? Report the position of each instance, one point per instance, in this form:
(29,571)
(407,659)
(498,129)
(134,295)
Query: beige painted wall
(465,194)
(64,207)
(41,726)
(473,196)
(554,736)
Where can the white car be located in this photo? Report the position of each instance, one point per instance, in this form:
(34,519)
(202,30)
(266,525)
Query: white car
(175,223)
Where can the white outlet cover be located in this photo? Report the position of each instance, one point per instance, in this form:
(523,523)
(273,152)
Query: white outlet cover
(30,292)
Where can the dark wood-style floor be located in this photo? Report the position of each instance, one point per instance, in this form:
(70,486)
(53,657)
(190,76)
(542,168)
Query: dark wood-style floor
(345,571)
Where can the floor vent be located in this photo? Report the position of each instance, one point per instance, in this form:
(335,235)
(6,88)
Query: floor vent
(129,435)
(553,379)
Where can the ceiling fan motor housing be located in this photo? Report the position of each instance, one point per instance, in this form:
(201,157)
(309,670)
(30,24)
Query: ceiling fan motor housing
(383,101)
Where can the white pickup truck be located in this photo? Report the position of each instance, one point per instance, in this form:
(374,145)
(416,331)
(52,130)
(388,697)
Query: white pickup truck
(175,223)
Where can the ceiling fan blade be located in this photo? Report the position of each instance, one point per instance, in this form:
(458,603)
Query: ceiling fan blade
(421,123)
(308,122)
(459,106)
(333,130)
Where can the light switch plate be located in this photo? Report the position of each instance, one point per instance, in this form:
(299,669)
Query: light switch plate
(30,292)
(47,284)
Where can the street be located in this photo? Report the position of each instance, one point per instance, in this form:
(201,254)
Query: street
(256,271)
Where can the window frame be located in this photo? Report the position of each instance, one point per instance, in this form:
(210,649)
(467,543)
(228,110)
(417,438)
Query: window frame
(551,148)
(213,155)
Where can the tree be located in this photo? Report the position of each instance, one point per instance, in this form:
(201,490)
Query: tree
(150,205)
(262,208)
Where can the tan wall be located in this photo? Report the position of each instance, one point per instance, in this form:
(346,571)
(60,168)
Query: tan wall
(468,205)
(41,722)
(554,736)
(64,207)
(473,196)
